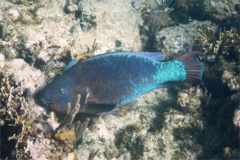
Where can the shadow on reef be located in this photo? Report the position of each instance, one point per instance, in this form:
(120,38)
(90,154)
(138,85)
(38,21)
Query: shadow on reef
(7,147)
(14,130)
(220,137)
(129,137)
(157,123)
(219,132)
(216,11)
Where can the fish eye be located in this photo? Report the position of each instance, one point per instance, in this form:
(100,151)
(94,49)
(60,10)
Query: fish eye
(62,91)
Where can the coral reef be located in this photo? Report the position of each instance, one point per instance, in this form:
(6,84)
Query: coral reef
(232,80)
(3,27)
(215,10)
(51,143)
(191,99)
(21,116)
(236,117)
(224,44)
(223,47)
(139,138)
(14,108)
(157,21)
(25,74)
(70,7)
(221,79)
(222,134)
(183,9)
(38,38)
(180,39)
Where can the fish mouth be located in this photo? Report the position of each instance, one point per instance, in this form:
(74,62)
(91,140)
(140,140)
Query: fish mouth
(57,108)
(52,105)
(45,102)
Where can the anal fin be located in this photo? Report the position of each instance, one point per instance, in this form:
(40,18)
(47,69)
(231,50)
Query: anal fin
(99,109)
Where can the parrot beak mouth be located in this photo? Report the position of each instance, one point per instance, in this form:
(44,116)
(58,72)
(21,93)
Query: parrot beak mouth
(44,101)
(56,107)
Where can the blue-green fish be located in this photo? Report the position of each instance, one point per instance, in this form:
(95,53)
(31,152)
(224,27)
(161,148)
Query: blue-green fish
(111,80)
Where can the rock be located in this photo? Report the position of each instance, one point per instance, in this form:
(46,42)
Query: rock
(215,10)
(178,39)
(2,61)
(13,14)
(31,78)
(71,8)
(71,156)
(232,80)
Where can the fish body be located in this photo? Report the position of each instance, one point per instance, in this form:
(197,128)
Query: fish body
(112,80)
(54,47)
(81,18)
(82,26)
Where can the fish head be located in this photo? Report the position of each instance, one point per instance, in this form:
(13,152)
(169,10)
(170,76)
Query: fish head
(57,94)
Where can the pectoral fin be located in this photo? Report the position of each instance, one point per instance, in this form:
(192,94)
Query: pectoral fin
(96,105)
(99,109)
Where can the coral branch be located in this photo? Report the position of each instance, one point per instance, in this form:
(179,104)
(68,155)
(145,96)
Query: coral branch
(80,128)
(71,113)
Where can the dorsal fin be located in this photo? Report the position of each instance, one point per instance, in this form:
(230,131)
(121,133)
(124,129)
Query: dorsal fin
(78,58)
(157,56)
(70,64)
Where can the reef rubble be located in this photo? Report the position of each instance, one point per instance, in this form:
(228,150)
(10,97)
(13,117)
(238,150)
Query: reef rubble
(184,121)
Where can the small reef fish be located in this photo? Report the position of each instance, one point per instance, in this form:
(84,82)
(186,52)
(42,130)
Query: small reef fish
(54,47)
(111,80)
(82,26)
(80,9)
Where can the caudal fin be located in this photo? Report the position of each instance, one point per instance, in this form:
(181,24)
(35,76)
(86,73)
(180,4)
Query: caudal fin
(193,66)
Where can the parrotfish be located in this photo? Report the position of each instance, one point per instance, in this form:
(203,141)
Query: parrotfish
(108,81)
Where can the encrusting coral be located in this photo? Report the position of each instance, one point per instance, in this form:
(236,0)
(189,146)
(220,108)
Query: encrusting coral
(179,123)
(190,100)
(236,117)
(224,47)
(14,108)
(222,80)
(225,42)
(232,80)
(35,137)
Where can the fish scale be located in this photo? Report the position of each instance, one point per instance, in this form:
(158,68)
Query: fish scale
(112,80)
(121,82)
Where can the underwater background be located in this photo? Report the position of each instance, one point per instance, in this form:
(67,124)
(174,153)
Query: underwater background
(185,121)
